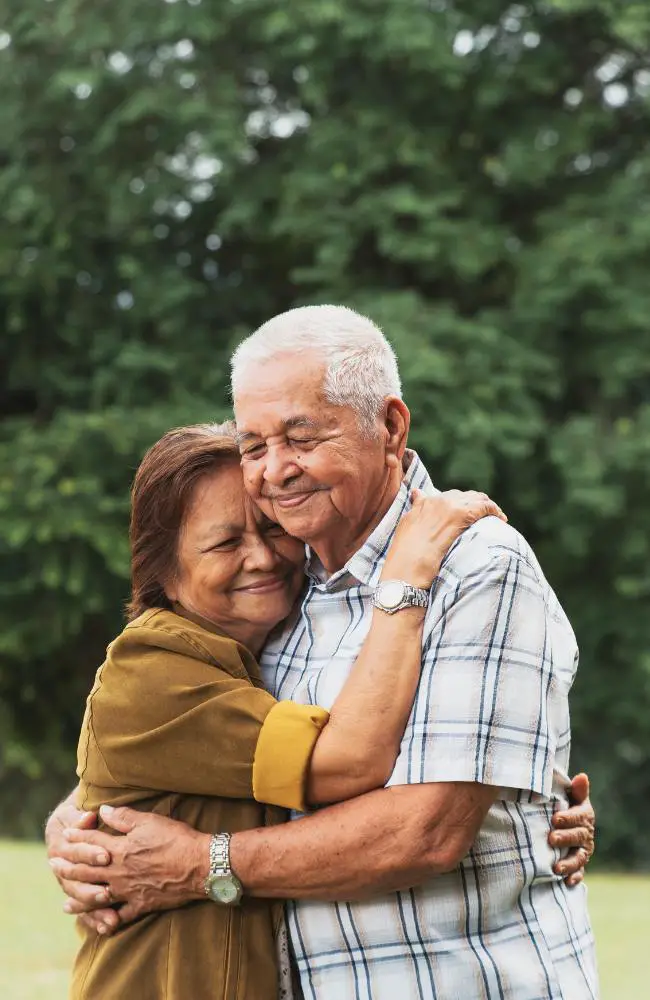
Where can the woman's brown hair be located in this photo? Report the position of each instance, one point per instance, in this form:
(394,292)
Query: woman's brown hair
(161,494)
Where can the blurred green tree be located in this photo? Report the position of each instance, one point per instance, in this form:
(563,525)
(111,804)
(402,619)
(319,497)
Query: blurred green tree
(474,176)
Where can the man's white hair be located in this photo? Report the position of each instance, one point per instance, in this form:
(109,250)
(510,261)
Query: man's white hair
(360,365)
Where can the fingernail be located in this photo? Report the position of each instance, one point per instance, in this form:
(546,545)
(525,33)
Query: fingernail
(101,897)
(102,859)
(53,863)
(106,811)
(102,929)
(67,907)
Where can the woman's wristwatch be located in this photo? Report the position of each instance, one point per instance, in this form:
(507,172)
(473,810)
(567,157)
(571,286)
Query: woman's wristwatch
(222,885)
(393,595)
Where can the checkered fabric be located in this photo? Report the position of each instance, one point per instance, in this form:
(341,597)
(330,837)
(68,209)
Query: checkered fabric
(499,657)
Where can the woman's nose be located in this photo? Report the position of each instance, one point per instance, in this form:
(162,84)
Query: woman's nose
(260,555)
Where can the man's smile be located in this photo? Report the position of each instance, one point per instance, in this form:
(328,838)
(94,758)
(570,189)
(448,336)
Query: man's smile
(293,499)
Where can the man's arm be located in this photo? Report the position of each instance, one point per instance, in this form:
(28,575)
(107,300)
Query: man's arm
(384,840)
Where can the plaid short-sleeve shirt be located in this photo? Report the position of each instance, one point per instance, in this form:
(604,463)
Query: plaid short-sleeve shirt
(498,661)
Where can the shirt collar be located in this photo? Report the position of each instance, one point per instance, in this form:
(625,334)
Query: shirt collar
(366,563)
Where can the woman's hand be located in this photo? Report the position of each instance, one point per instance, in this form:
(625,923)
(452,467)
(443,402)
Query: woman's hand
(90,894)
(574,828)
(424,535)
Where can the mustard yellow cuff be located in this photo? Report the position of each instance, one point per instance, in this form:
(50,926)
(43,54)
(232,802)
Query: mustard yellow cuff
(283,752)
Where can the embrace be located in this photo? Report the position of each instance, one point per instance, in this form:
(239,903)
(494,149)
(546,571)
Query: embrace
(313,627)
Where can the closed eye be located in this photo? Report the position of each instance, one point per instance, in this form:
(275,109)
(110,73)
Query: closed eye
(303,442)
(226,543)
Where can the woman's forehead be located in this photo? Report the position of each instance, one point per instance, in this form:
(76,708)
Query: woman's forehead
(222,489)
(220,500)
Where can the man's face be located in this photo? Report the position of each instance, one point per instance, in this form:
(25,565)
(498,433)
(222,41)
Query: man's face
(306,462)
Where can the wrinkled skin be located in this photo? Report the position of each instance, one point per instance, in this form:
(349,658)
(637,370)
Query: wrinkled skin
(160,864)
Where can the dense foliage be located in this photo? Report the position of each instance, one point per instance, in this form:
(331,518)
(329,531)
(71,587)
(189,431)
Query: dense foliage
(475,178)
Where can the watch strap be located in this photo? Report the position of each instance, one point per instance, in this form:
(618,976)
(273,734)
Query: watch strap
(220,854)
(416,596)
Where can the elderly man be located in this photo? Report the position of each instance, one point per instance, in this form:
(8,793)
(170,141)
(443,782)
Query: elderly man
(447,874)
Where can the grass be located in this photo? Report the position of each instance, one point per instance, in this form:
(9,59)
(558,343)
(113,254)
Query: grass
(37,941)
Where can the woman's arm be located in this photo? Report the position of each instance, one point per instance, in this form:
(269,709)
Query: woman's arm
(357,749)
(170,713)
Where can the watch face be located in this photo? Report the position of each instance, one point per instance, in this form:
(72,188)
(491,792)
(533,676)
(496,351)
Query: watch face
(224,889)
(391,594)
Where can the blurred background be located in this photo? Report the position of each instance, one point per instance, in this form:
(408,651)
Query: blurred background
(474,175)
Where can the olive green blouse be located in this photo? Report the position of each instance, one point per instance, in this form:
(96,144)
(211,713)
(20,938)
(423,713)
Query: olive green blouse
(178,723)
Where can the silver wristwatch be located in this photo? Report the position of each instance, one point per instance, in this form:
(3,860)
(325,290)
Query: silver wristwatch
(393,595)
(222,885)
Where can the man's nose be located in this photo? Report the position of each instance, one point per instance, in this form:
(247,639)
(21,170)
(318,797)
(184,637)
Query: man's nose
(280,466)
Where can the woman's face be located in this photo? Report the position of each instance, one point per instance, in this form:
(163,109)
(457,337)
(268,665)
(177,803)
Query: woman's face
(235,568)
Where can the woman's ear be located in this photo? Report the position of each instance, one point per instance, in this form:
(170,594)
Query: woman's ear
(170,588)
(397,421)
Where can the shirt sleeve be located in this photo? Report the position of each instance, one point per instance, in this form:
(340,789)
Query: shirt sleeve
(490,707)
(160,721)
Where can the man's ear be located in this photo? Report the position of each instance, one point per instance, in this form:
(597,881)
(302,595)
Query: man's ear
(397,420)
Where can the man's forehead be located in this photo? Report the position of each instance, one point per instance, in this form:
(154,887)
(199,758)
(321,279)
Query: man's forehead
(295,381)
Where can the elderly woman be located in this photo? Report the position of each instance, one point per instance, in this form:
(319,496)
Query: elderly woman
(178,721)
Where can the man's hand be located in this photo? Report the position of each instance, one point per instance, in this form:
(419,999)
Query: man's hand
(575,828)
(159,864)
